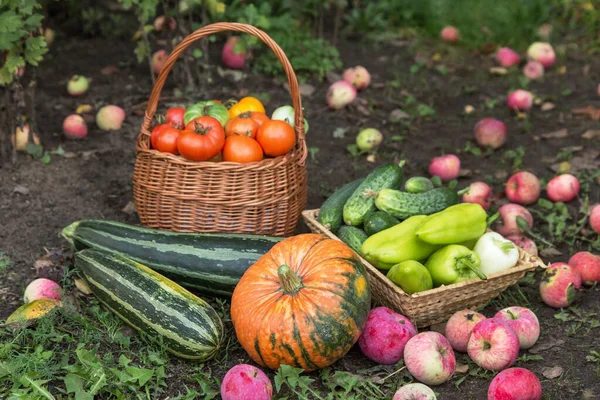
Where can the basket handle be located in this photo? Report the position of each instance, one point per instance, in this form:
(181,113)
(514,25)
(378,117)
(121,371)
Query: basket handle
(221,27)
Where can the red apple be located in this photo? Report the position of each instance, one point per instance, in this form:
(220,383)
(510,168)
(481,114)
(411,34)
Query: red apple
(558,285)
(563,188)
(159,58)
(358,76)
(340,94)
(525,243)
(459,328)
(429,358)
(587,265)
(508,57)
(450,34)
(515,384)
(246,382)
(414,391)
(163,23)
(595,218)
(533,70)
(524,322)
(231,56)
(542,52)
(385,335)
(523,188)
(42,288)
(520,100)
(447,167)
(74,127)
(493,345)
(479,193)
(490,132)
(507,224)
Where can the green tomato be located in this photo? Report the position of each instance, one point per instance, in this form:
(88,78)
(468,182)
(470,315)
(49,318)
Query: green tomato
(286,113)
(369,139)
(411,276)
(207,108)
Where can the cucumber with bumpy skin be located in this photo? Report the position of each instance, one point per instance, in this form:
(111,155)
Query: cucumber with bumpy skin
(418,184)
(403,205)
(354,237)
(331,214)
(378,221)
(362,201)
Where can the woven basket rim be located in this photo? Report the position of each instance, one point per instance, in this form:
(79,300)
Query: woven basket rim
(534,262)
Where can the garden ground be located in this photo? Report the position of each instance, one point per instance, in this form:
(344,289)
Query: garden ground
(92,179)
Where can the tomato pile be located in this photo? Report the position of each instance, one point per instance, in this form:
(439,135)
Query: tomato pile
(208,131)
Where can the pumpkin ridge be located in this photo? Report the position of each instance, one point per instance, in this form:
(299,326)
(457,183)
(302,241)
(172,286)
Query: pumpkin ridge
(298,338)
(321,238)
(318,266)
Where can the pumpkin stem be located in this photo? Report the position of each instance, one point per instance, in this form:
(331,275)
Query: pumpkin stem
(289,281)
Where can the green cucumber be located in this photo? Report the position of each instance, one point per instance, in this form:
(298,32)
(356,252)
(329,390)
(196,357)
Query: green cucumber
(331,214)
(149,302)
(378,221)
(362,201)
(354,237)
(211,263)
(418,184)
(403,205)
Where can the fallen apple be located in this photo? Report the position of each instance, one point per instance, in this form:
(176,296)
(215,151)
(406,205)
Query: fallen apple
(542,52)
(490,133)
(459,327)
(493,345)
(508,57)
(74,127)
(524,322)
(340,94)
(520,100)
(563,188)
(558,285)
(450,34)
(110,117)
(446,167)
(523,188)
(507,224)
(533,70)
(587,265)
(414,391)
(429,357)
(515,384)
(358,76)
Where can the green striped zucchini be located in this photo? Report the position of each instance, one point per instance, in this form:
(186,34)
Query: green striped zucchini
(211,263)
(151,303)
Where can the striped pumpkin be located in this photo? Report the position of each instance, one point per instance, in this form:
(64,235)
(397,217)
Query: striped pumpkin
(151,303)
(304,303)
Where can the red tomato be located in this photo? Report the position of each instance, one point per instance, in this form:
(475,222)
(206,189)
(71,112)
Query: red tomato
(202,139)
(259,117)
(276,137)
(242,149)
(175,116)
(166,140)
(156,131)
(242,126)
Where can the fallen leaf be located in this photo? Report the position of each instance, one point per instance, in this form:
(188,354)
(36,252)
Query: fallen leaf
(397,115)
(547,106)
(436,57)
(109,70)
(340,133)
(572,149)
(465,173)
(20,189)
(588,394)
(69,154)
(439,328)
(84,109)
(371,158)
(556,134)
(562,70)
(235,75)
(461,368)
(584,161)
(550,252)
(469,109)
(362,106)
(553,372)
(498,71)
(129,208)
(332,77)
(589,112)
(83,286)
(543,346)
(591,134)
(537,101)
(501,174)
(521,115)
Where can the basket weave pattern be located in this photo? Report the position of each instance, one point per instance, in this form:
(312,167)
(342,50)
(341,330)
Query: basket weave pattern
(436,305)
(265,197)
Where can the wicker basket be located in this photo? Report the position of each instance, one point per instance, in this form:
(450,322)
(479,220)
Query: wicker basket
(265,197)
(436,305)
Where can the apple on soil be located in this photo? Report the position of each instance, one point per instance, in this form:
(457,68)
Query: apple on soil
(515,384)
(429,358)
(524,322)
(558,285)
(493,345)
(459,328)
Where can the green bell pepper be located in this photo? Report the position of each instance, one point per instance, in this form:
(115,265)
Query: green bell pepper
(396,244)
(453,263)
(411,276)
(455,224)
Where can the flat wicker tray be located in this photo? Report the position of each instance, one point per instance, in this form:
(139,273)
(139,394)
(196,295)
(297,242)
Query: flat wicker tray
(436,305)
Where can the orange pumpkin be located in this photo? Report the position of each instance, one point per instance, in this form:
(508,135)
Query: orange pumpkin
(303,304)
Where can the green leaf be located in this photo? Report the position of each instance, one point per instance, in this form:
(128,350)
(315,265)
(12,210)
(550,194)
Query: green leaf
(35,150)
(10,22)
(141,375)
(45,159)
(141,51)
(59,151)
(36,385)
(35,48)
